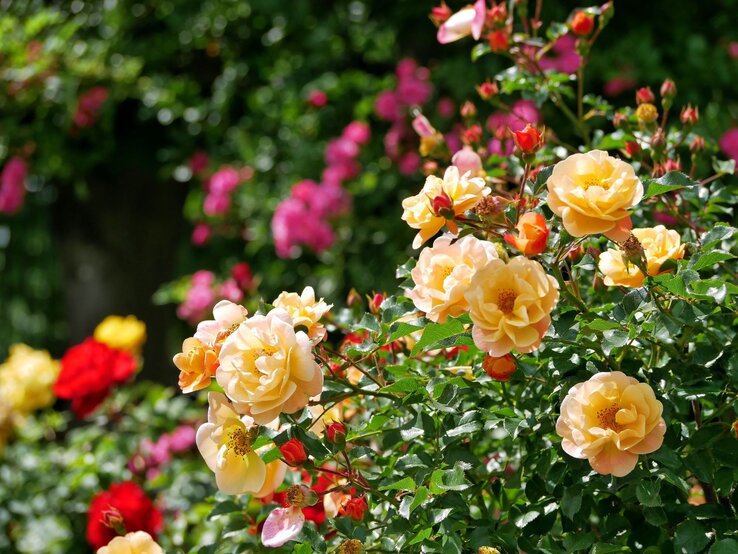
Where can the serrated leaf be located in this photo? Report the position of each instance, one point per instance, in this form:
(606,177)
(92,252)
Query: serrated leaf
(709,259)
(404,484)
(674,180)
(689,537)
(436,332)
(647,493)
(405,385)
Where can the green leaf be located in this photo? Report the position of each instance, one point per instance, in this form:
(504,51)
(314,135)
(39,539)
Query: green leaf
(605,548)
(436,332)
(480,50)
(404,484)
(647,493)
(421,536)
(725,546)
(718,233)
(674,180)
(225,507)
(405,385)
(690,537)
(571,501)
(709,259)
(410,502)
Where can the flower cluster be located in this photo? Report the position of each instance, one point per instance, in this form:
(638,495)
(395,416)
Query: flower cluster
(153,455)
(13,185)
(205,290)
(304,217)
(89,106)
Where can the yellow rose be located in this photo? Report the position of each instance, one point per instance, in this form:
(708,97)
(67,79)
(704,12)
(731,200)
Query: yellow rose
(197,364)
(124,333)
(443,273)
(27,380)
(275,472)
(509,305)
(267,368)
(305,311)
(139,542)
(225,443)
(610,420)
(592,192)
(659,245)
(461,193)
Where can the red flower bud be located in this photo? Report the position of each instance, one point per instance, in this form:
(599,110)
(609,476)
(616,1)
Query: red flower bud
(644,95)
(668,89)
(356,508)
(317,99)
(430,167)
(582,24)
(499,41)
(468,109)
(497,15)
(529,140)
(336,433)
(376,302)
(658,140)
(697,144)
(488,90)
(532,234)
(632,148)
(619,119)
(472,135)
(440,14)
(442,206)
(499,368)
(690,115)
(293,452)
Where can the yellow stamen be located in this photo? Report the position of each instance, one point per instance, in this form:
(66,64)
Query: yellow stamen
(506,300)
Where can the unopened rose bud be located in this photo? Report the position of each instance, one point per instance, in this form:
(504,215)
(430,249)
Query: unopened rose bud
(356,508)
(440,14)
(668,89)
(376,302)
(499,41)
(633,253)
(658,140)
(647,113)
(582,24)
(487,550)
(300,496)
(351,546)
(497,15)
(619,119)
(336,433)
(472,134)
(113,519)
(430,167)
(672,165)
(644,95)
(697,144)
(442,206)
(690,115)
(500,368)
(529,140)
(468,109)
(488,90)
(607,10)
(353,298)
(293,452)
(632,148)
(467,159)
(422,126)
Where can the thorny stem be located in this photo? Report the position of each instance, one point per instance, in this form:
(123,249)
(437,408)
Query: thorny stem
(521,192)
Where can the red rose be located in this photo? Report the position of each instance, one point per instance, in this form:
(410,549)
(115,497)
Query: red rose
(88,372)
(355,508)
(128,502)
(293,452)
(336,433)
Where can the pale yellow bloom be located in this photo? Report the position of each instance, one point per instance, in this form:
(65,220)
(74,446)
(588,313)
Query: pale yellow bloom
(609,420)
(275,472)
(443,273)
(139,542)
(510,305)
(27,380)
(225,443)
(463,192)
(267,368)
(592,193)
(124,333)
(659,245)
(305,311)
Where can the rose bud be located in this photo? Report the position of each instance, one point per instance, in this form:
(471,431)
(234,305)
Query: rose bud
(619,119)
(690,115)
(499,368)
(644,95)
(497,15)
(440,14)
(668,89)
(293,452)
(375,302)
(532,234)
(632,148)
(430,167)
(499,41)
(422,126)
(529,140)
(472,135)
(356,508)
(658,140)
(317,99)
(582,24)
(336,433)
(488,90)
(697,144)
(443,206)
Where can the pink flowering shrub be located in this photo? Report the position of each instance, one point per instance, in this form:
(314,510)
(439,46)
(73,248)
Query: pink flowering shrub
(13,185)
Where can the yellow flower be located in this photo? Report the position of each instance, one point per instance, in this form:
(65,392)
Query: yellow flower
(610,420)
(267,368)
(124,333)
(27,380)
(275,472)
(197,364)
(443,273)
(592,192)
(305,311)
(461,192)
(510,305)
(659,245)
(139,542)
(647,113)
(225,443)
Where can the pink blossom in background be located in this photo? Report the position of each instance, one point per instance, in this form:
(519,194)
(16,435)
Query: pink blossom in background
(216,204)
(198,162)
(619,85)
(182,439)
(664,218)
(412,83)
(241,272)
(89,107)
(200,298)
(467,159)
(733,50)
(393,139)
(151,456)
(229,290)
(422,126)
(225,180)
(409,163)
(317,99)
(294,224)
(13,185)
(453,140)
(358,132)
(386,106)
(340,151)
(201,234)
(523,112)
(504,147)
(562,57)
(446,108)
(203,277)
(729,143)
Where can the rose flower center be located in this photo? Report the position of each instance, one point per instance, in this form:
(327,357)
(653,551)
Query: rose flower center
(240,440)
(606,418)
(506,300)
(592,181)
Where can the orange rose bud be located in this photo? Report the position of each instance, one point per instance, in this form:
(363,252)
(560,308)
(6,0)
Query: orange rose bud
(690,115)
(644,95)
(356,508)
(582,24)
(529,140)
(499,41)
(336,433)
(499,368)
(293,452)
(532,234)
(619,119)
(488,90)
